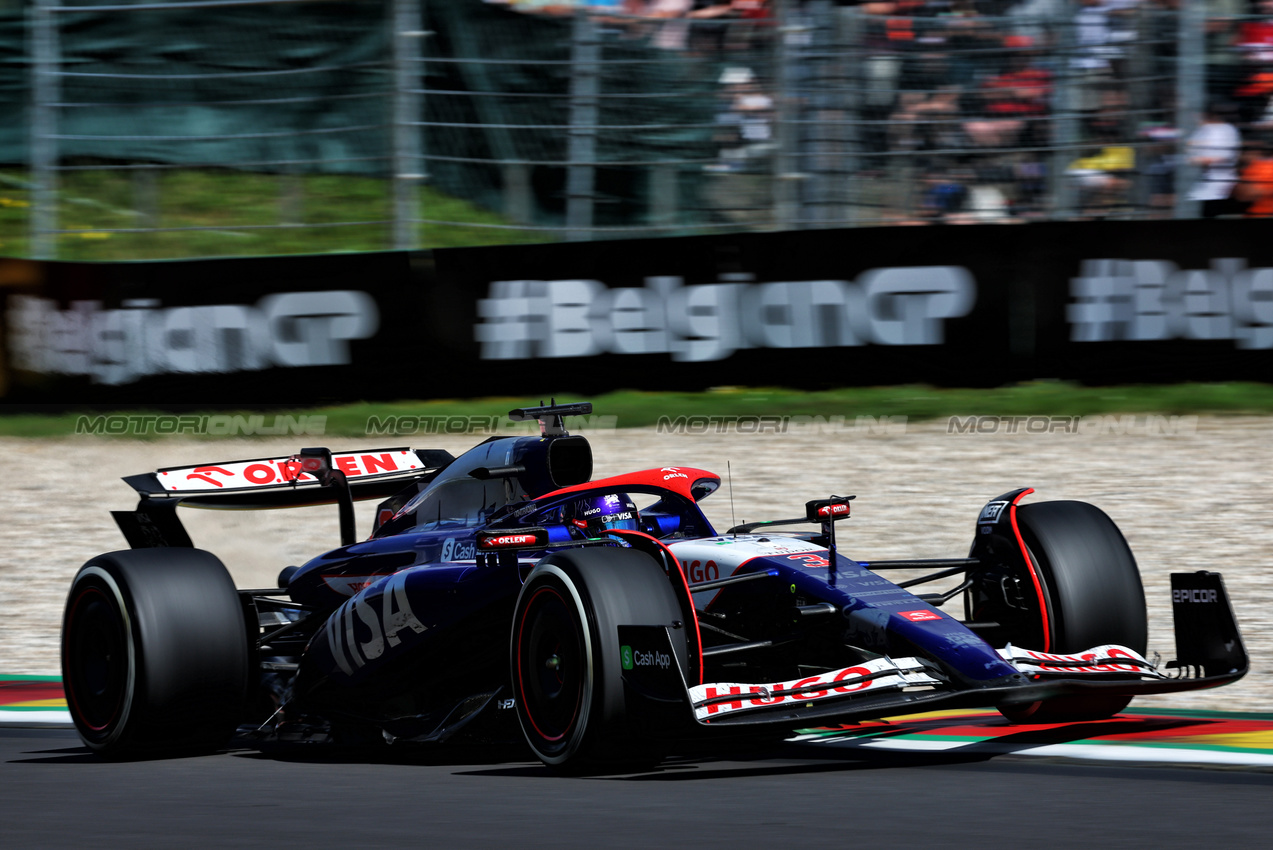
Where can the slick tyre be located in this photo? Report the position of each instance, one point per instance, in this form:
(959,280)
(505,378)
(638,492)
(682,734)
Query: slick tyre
(565,655)
(155,654)
(1091,595)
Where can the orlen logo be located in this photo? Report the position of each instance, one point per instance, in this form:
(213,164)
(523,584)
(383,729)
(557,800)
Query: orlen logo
(312,464)
(510,540)
(833,510)
(276,471)
(672,472)
(1195,594)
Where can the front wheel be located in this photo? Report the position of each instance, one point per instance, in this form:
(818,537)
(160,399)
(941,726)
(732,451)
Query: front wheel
(1089,595)
(154,653)
(566,659)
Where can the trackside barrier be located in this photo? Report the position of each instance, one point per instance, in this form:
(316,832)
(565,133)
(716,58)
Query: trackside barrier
(1099,302)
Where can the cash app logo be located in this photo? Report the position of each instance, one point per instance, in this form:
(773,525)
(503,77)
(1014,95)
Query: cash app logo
(626,654)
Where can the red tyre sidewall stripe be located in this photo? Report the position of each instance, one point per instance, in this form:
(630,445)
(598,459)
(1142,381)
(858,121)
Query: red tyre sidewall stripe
(521,685)
(1034,574)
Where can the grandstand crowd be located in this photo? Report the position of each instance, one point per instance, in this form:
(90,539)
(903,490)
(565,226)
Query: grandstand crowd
(960,100)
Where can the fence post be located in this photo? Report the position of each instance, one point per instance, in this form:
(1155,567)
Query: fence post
(1141,101)
(585,87)
(407,173)
(664,200)
(1191,59)
(43,154)
(146,197)
(786,192)
(1066,101)
(850,44)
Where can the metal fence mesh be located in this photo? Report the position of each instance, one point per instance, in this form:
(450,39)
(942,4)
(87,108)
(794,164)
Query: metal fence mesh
(131,100)
(603,123)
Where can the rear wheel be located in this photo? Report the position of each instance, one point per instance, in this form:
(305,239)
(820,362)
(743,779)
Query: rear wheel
(566,658)
(154,653)
(1091,596)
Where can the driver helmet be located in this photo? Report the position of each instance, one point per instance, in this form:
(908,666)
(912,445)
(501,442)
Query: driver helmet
(596,514)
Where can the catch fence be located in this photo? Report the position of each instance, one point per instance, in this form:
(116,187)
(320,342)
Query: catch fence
(335,117)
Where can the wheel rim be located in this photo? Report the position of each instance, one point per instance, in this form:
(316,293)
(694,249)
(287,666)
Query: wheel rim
(551,666)
(96,659)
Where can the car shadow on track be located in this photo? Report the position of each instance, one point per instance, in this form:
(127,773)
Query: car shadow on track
(63,755)
(833,754)
(849,754)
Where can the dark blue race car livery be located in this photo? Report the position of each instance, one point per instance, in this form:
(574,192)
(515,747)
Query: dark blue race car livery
(505,593)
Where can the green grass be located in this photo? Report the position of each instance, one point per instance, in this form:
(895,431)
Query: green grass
(231,203)
(636,409)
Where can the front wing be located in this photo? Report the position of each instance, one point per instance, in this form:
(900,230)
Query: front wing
(1209,653)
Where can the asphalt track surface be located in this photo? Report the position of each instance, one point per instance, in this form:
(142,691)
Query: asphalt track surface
(54,793)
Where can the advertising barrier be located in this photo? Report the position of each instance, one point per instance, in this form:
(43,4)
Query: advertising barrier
(1097,302)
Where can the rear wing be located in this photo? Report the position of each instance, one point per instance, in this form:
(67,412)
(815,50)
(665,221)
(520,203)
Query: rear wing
(281,482)
(312,477)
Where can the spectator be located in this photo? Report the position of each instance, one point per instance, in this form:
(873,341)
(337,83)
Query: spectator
(927,120)
(1224,63)
(1160,159)
(1254,41)
(1032,18)
(1255,36)
(673,35)
(1214,147)
(1104,179)
(1014,100)
(746,123)
(944,194)
(1024,87)
(1101,32)
(1255,187)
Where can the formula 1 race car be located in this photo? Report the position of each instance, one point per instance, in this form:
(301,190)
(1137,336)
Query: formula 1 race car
(608,617)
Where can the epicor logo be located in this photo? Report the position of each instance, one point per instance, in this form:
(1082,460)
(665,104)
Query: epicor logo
(1194,594)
